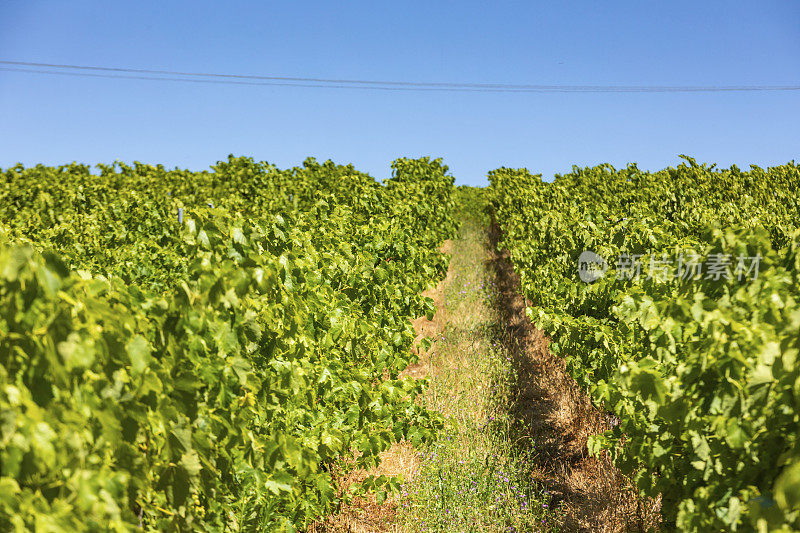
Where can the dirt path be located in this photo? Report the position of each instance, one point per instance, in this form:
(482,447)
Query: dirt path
(512,456)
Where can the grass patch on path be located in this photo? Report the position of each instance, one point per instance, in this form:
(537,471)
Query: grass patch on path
(473,478)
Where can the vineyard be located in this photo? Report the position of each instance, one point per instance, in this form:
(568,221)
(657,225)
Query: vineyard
(682,319)
(196,350)
(214,351)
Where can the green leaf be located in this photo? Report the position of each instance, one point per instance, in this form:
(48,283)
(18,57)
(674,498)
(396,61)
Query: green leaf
(280,482)
(787,488)
(138,350)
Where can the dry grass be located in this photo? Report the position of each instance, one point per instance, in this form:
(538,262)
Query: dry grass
(365,514)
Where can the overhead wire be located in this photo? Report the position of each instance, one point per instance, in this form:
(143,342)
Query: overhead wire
(312,82)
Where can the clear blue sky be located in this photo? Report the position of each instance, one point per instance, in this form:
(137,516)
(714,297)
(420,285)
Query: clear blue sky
(56,119)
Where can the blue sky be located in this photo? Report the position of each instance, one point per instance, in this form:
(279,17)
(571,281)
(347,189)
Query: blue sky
(57,119)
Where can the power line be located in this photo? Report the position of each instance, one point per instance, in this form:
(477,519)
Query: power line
(285,81)
(226,82)
(276,83)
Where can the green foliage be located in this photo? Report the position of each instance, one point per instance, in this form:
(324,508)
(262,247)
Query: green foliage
(702,374)
(193,351)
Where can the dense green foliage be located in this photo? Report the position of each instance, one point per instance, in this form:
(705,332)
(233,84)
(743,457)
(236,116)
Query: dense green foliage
(194,350)
(701,371)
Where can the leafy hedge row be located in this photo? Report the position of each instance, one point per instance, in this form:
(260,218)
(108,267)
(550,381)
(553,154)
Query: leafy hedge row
(701,373)
(193,351)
